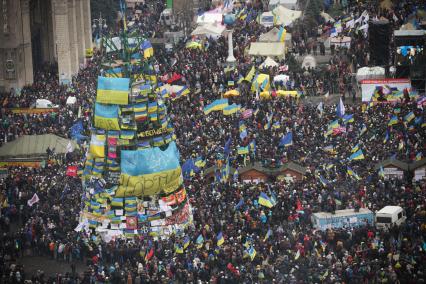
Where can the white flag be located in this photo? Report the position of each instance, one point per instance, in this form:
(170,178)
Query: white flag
(70,147)
(33,200)
(320,107)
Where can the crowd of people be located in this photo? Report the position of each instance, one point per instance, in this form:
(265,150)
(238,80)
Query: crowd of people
(284,247)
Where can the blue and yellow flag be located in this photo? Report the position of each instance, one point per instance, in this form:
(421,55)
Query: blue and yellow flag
(281,34)
(113,90)
(409,117)
(106,116)
(148,51)
(358,155)
(149,171)
(352,173)
(97,146)
(393,120)
(265,200)
(218,104)
(220,239)
(243,150)
(231,109)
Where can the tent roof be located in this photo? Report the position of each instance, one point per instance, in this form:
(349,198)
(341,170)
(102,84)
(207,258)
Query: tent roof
(209,29)
(267,49)
(34,145)
(272,36)
(209,17)
(286,16)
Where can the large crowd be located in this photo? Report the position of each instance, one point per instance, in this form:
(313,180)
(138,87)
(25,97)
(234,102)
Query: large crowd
(288,249)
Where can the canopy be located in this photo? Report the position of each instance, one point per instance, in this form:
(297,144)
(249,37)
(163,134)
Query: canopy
(28,146)
(209,30)
(309,62)
(291,4)
(285,16)
(231,93)
(271,49)
(370,73)
(269,62)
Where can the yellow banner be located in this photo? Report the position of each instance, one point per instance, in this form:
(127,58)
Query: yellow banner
(150,184)
(34,110)
(21,164)
(106,123)
(153,132)
(114,97)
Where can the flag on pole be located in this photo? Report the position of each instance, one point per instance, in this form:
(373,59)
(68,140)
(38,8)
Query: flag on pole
(33,200)
(287,140)
(340,109)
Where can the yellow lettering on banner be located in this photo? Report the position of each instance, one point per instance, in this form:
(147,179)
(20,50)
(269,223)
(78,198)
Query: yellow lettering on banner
(106,123)
(152,132)
(34,110)
(150,184)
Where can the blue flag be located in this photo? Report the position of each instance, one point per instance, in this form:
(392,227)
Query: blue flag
(287,140)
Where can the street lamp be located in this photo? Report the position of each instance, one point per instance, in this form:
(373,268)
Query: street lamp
(101,25)
(229,20)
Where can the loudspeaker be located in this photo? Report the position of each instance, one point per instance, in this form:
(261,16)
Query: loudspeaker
(379,36)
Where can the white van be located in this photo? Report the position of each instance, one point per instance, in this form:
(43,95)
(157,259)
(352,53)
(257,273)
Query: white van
(389,216)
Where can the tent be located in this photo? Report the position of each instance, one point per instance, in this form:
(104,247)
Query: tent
(290,4)
(43,103)
(209,30)
(370,73)
(272,36)
(309,62)
(267,19)
(31,146)
(269,62)
(285,16)
(272,49)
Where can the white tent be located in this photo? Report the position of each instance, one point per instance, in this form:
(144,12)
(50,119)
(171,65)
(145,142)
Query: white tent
(309,62)
(267,19)
(269,62)
(209,18)
(43,103)
(284,16)
(290,4)
(272,49)
(370,73)
(272,36)
(209,30)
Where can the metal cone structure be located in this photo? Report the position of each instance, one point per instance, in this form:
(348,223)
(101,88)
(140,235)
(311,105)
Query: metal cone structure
(132,177)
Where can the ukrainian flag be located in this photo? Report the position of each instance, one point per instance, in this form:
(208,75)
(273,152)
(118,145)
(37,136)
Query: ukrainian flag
(218,104)
(153,116)
(348,118)
(114,72)
(113,90)
(148,51)
(352,173)
(393,120)
(243,150)
(106,116)
(178,249)
(419,156)
(117,202)
(265,200)
(252,253)
(409,117)
(220,239)
(199,162)
(186,242)
(97,146)
(334,124)
(355,148)
(281,34)
(358,155)
(231,109)
(250,74)
(152,107)
(127,134)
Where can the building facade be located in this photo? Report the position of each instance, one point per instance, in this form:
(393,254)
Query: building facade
(38,32)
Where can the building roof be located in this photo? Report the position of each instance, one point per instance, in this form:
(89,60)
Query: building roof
(417,164)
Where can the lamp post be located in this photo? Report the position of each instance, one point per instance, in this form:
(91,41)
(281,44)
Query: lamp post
(101,25)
